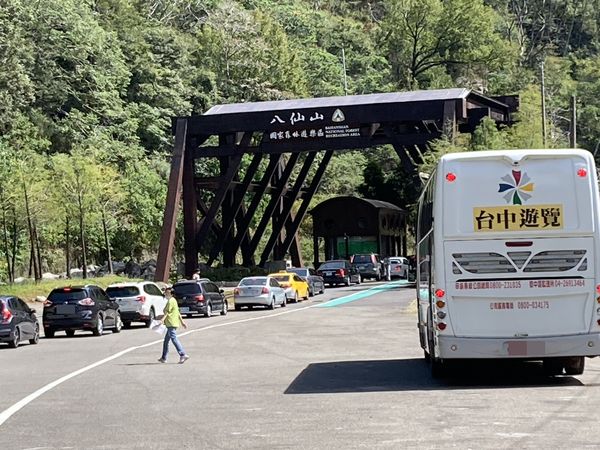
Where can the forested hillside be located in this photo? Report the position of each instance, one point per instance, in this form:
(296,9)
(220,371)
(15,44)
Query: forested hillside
(87,89)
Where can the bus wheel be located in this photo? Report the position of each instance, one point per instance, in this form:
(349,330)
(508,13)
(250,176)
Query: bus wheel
(575,365)
(553,366)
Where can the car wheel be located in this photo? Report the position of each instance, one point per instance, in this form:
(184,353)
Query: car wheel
(225,308)
(284,304)
(358,279)
(118,323)
(36,335)
(575,365)
(151,317)
(322,289)
(70,333)
(272,304)
(14,343)
(99,326)
(296,299)
(208,312)
(347,281)
(310,292)
(238,307)
(48,333)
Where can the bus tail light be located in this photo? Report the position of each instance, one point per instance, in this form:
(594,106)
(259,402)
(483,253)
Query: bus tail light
(441,314)
(442,326)
(439,293)
(440,303)
(598,289)
(450,177)
(582,173)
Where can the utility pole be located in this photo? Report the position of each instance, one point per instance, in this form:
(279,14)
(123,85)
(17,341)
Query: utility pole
(344,68)
(573,133)
(543,87)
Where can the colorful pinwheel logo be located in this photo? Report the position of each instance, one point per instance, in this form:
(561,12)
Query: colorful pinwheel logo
(516,187)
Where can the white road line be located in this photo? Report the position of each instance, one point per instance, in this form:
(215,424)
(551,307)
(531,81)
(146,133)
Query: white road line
(9,412)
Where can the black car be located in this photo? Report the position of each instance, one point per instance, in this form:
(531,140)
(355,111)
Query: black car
(17,322)
(369,265)
(339,271)
(88,307)
(316,285)
(199,297)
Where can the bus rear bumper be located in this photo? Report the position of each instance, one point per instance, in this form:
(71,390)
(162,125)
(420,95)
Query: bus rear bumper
(450,347)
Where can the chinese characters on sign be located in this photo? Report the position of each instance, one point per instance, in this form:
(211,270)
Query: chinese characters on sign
(518,218)
(312,130)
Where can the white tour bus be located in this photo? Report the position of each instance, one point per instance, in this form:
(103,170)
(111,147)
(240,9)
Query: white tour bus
(508,258)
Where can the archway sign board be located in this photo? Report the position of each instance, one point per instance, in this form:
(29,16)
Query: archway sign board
(279,150)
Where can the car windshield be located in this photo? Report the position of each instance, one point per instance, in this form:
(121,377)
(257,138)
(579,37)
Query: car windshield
(361,259)
(122,291)
(186,288)
(253,282)
(332,265)
(66,294)
(301,272)
(282,277)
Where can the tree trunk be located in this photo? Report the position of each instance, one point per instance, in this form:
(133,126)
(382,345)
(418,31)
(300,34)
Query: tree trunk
(38,252)
(5,245)
(15,243)
(107,243)
(32,256)
(67,246)
(82,236)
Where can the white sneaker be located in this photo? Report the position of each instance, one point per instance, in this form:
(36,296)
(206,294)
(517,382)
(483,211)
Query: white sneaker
(183,358)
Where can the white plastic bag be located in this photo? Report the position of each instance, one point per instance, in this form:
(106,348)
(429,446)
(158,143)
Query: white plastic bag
(158,327)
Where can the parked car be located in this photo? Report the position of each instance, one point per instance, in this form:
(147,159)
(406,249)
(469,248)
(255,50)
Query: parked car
(259,291)
(200,296)
(369,265)
(339,271)
(397,267)
(17,322)
(138,302)
(73,308)
(316,285)
(296,288)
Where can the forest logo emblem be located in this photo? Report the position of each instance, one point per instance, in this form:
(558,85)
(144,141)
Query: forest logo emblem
(516,187)
(338,116)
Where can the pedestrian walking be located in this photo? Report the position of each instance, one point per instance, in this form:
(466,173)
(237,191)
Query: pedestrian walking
(172,320)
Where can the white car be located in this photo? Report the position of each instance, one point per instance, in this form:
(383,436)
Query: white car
(138,301)
(397,267)
(259,291)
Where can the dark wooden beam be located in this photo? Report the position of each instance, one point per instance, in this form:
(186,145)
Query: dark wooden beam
(284,214)
(190,213)
(238,200)
(302,210)
(242,228)
(217,201)
(275,198)
(167,235)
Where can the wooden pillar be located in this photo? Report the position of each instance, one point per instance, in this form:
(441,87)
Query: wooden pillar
(167,235)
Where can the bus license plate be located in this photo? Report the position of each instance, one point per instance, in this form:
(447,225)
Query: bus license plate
(526,348)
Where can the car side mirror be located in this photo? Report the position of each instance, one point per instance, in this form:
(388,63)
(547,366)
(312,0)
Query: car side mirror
(221,291)
(31,311)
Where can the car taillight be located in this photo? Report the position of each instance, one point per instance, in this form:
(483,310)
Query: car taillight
(264,290)
(236,291)
(340,272)
(86,302)
(6,316)
(199,298)
(141,299)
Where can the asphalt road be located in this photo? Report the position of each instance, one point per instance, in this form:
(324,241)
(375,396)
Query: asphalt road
(350,375)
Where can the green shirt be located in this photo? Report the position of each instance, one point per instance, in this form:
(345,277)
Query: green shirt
(172,316)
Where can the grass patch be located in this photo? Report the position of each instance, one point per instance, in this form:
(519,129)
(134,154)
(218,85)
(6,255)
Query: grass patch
(29,291)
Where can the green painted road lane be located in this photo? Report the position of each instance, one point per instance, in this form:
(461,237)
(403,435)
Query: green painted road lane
(363,294)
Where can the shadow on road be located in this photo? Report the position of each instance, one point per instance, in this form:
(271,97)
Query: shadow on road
(414,375)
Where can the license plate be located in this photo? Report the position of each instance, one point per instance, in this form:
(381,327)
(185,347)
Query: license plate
(184,309)
(524,348)
(66,309)
(328,274)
